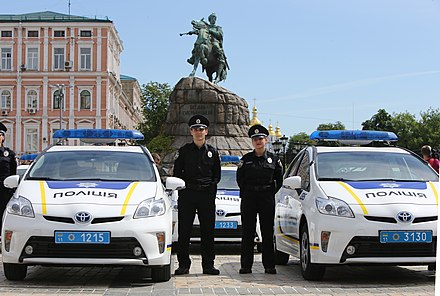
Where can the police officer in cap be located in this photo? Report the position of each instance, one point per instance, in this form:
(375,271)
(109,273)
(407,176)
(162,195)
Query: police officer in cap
(259,176)
(8,167)
(198,163)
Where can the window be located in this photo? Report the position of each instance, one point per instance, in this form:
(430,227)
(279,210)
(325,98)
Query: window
(85,101)
(59,33)
(86,58)
(32,99)
(6,58)
(304,172)
(58,59)
(32,59)
(5,100)
(6,33)
(86,33)
(57,99)
(31,144)
(32,33)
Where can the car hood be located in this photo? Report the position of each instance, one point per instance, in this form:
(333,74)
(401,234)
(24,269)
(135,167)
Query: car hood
(51,197)
(227,197)
(382,193)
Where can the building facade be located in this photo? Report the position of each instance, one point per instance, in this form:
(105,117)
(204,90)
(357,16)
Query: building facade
(62,71)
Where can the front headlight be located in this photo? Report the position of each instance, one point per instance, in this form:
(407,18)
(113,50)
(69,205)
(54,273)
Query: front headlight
(150,208)
(20,206)
(333,206)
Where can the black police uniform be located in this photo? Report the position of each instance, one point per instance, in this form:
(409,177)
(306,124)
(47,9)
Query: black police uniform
(8,167)
(259,178)
(200,169)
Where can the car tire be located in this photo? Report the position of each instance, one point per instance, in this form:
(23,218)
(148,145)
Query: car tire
(161,274)
(309,271)
(14,272)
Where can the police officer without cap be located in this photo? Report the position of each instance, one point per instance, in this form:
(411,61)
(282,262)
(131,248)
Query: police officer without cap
(8,167)
(198,164)
(259,176)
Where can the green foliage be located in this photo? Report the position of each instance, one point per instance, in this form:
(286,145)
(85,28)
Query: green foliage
(331,126)
(161,144)
(155,103)
(381,121)
(296,143)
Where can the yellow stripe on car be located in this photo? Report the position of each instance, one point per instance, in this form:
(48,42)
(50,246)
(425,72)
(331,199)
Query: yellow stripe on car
(43,198)
(435,192)
(359,201)
(130,193)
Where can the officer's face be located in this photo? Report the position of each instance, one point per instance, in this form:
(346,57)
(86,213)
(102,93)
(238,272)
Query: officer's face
(259,142)
(199,133)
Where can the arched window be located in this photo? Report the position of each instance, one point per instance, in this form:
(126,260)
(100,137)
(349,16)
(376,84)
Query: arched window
(5,100)
(57,99)
(85,100)
(32,99)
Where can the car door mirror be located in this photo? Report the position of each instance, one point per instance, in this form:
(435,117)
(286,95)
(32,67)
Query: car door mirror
(292,182)
(11,181)
(173,183)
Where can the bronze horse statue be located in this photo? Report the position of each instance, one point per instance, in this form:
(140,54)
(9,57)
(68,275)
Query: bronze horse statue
(203,53)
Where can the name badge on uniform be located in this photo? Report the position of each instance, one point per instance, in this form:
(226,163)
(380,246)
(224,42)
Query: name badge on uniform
(209,154)
(269,160)
(5,154)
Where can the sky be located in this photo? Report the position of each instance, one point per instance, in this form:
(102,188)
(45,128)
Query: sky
(301,62)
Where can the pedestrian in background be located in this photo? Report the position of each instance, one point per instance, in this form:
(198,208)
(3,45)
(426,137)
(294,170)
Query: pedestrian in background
(158,162)
(427,156)
(198,164)
(8,167)
(259,176)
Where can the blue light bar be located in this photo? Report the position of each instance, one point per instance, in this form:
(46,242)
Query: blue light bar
(353,135)
(98,134)
(28,156)
(230,158)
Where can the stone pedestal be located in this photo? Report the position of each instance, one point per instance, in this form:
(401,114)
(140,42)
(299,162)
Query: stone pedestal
(228,115)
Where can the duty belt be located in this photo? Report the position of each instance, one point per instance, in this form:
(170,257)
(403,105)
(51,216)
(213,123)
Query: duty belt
(258,187)
(198,187)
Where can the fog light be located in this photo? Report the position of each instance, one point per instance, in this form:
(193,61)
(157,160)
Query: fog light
(29,250)
(325,238)
(351,250)
(137,251)
(7,240)
(161,241)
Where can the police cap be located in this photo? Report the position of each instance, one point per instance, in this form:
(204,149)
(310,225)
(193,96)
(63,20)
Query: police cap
(258,131)
(198,121)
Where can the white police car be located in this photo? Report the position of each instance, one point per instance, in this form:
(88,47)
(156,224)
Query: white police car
(89,205)
(356,205)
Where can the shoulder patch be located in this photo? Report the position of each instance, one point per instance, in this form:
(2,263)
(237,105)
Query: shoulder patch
(240,164)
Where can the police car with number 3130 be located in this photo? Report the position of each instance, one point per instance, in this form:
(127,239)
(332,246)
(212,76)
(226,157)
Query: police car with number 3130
(356,205)
(90,205)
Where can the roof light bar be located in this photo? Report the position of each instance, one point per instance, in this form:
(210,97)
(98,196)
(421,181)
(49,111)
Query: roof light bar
(28,156)
(229,158)
(98,134)
(353,135)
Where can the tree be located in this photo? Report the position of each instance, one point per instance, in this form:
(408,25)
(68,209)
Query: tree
(296,143)
(155,103)
(381,121)
(331,126)
(429,128)
(407,129)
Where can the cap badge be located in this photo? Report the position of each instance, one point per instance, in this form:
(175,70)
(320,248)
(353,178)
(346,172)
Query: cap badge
(269,160)
(256,131)
(209,154)
(198,121)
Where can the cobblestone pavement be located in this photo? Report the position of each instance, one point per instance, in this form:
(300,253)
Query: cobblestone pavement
(343,280)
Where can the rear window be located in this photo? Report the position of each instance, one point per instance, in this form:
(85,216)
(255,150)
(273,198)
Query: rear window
(368,166)
(93,165)
(228,180)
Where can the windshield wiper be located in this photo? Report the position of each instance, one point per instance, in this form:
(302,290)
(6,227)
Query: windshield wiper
(334,179)
(42,178)
(395,180)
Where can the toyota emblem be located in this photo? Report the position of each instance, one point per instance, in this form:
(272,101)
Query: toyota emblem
(220,212)
(83,217)
(404,217)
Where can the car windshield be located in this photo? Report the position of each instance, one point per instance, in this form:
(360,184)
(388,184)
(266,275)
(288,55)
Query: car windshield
(93,165)
(228,180)
(370,166)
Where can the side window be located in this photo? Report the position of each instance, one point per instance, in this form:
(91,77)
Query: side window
(304,172)
(294,165)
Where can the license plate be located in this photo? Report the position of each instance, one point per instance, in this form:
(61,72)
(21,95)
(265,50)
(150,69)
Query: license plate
(422,236)
(82,237)
(226,224)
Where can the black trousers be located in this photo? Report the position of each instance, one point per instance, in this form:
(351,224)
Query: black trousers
(263,204)
(5,196)
(202,202)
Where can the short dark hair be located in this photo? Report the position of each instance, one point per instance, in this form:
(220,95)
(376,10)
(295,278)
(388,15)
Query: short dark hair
(426,150)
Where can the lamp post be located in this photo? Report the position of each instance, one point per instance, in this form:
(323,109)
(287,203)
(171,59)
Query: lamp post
(277,146)
(284,140)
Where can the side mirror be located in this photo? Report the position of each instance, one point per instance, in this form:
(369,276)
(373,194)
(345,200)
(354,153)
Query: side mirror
(292,182)
(173,183)
(11,181)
